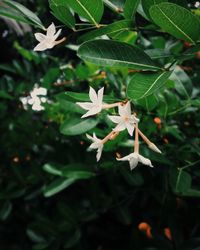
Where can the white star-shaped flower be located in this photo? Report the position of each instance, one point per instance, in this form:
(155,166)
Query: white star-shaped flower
(125,120)
(134,158)
(96,104)
(47,41)
(96,144)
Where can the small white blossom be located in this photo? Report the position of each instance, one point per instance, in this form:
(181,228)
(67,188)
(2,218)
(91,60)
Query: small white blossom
(134,158)
(96,144)
(47,41)
(125,120)
(96,104)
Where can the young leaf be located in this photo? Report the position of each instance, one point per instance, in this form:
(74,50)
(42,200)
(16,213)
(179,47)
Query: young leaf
(90,9)
(63,14)
(142,85)
(115,54)
(177,21)
(108,30)
(130,8)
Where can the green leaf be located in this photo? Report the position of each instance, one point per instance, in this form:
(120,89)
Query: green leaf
(115,54)
(180,181)
(76,126)
(75,171)
(26,12)
(90,10)
(14,14)
(62,13)
(109,30)
(143,85)
(57,186)
(130,8)
(149,102)
(147,4)
(83,97)
(177,21)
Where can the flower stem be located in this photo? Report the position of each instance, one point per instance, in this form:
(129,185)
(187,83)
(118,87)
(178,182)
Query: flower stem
(111,136)
(136,144)
(60,41)
(112,105)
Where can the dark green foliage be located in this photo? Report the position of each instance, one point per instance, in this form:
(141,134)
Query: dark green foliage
(53,193)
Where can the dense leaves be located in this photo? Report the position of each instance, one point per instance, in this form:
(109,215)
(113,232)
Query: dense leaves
(53,193)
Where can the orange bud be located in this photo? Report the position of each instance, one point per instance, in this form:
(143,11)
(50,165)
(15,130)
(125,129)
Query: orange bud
(198,55)
(166,141)
(157,120)
(168,233)
(143,226)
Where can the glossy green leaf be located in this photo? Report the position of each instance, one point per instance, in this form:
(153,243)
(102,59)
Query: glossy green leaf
(147,4)
(62,13)
(130,8)
(115,54)
(177,21)
(90,10)
(26,12)
(77,126)
(109,30)
(57,186)
(143,85)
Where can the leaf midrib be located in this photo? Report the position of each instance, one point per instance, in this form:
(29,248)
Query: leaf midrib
(180,30)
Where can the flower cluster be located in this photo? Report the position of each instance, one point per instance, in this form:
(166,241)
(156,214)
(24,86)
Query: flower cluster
(126,120)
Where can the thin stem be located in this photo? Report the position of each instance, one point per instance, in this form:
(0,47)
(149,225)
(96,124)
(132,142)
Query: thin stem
(136,144)
(60,41)
(112,105)
(108,137)
(189,165)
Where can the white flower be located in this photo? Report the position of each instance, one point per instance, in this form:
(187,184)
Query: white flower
(126,120)
(134,158)
(96,104)
(47,41)
(96,144)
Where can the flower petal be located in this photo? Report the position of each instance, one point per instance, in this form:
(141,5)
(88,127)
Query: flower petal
(41,47)
(91,112)
(57,34)
(93,95)
(133,162)
(40,37)
(130,128)
(144,160)
(85,105)
(99,153)
(115,119)
(51,30)
(100,96)
(121,126)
